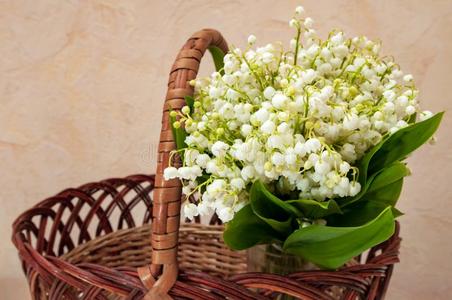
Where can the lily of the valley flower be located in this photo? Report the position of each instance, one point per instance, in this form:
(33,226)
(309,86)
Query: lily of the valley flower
(306,115)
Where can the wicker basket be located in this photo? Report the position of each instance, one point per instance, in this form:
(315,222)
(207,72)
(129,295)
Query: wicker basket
(93,242)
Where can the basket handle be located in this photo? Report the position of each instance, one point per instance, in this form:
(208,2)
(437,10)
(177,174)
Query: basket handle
(167,194)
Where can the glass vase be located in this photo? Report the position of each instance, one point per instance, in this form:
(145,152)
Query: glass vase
(272,259)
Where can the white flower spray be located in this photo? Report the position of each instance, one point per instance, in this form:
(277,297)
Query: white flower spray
(299,119)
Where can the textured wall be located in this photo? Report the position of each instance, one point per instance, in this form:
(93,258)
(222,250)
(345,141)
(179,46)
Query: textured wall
(82,82)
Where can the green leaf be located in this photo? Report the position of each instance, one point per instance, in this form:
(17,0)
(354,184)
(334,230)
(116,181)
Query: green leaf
(284,227)
(274,207)
(388,194)
(360,213)
(384,186)
(331,247)
(279,214)
(389,175)
(383,191)
(179,134)
(363,164)
(314,209)
(190,101)
(246,230)
(272,210)
(180,138)
(398,145)
(392,148)
(363,177)
(217,55)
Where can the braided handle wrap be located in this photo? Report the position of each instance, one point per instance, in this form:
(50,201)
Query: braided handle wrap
(167,194)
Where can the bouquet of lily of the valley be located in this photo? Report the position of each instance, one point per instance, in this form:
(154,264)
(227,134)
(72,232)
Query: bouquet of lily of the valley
(304,147)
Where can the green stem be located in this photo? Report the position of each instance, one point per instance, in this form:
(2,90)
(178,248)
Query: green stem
(297,40)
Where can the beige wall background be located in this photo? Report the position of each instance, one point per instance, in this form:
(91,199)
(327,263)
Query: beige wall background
(82,83)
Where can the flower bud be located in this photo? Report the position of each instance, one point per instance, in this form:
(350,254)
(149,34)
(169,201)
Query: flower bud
(294,23)
(299,10)
(268,166)
(251,39)
(186,110)
(220,131)
(308,22)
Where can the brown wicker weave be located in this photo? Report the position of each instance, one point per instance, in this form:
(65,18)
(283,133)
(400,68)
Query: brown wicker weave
(93,242)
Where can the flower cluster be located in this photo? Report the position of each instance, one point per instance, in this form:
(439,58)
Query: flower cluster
(298,120)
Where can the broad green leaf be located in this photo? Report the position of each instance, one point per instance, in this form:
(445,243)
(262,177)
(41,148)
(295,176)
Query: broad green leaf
(389,175)
(179,135)
(384,190)
(180,138)
(190,101)
(274,207)
(314,209)
(284,227)
(363,164)
(400,144)
(331,247)
(217,55)
(360,213)
(392,148)
(270,208)
(377,181)
(363,177)
(365,184)
(388,194)
(246,230)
